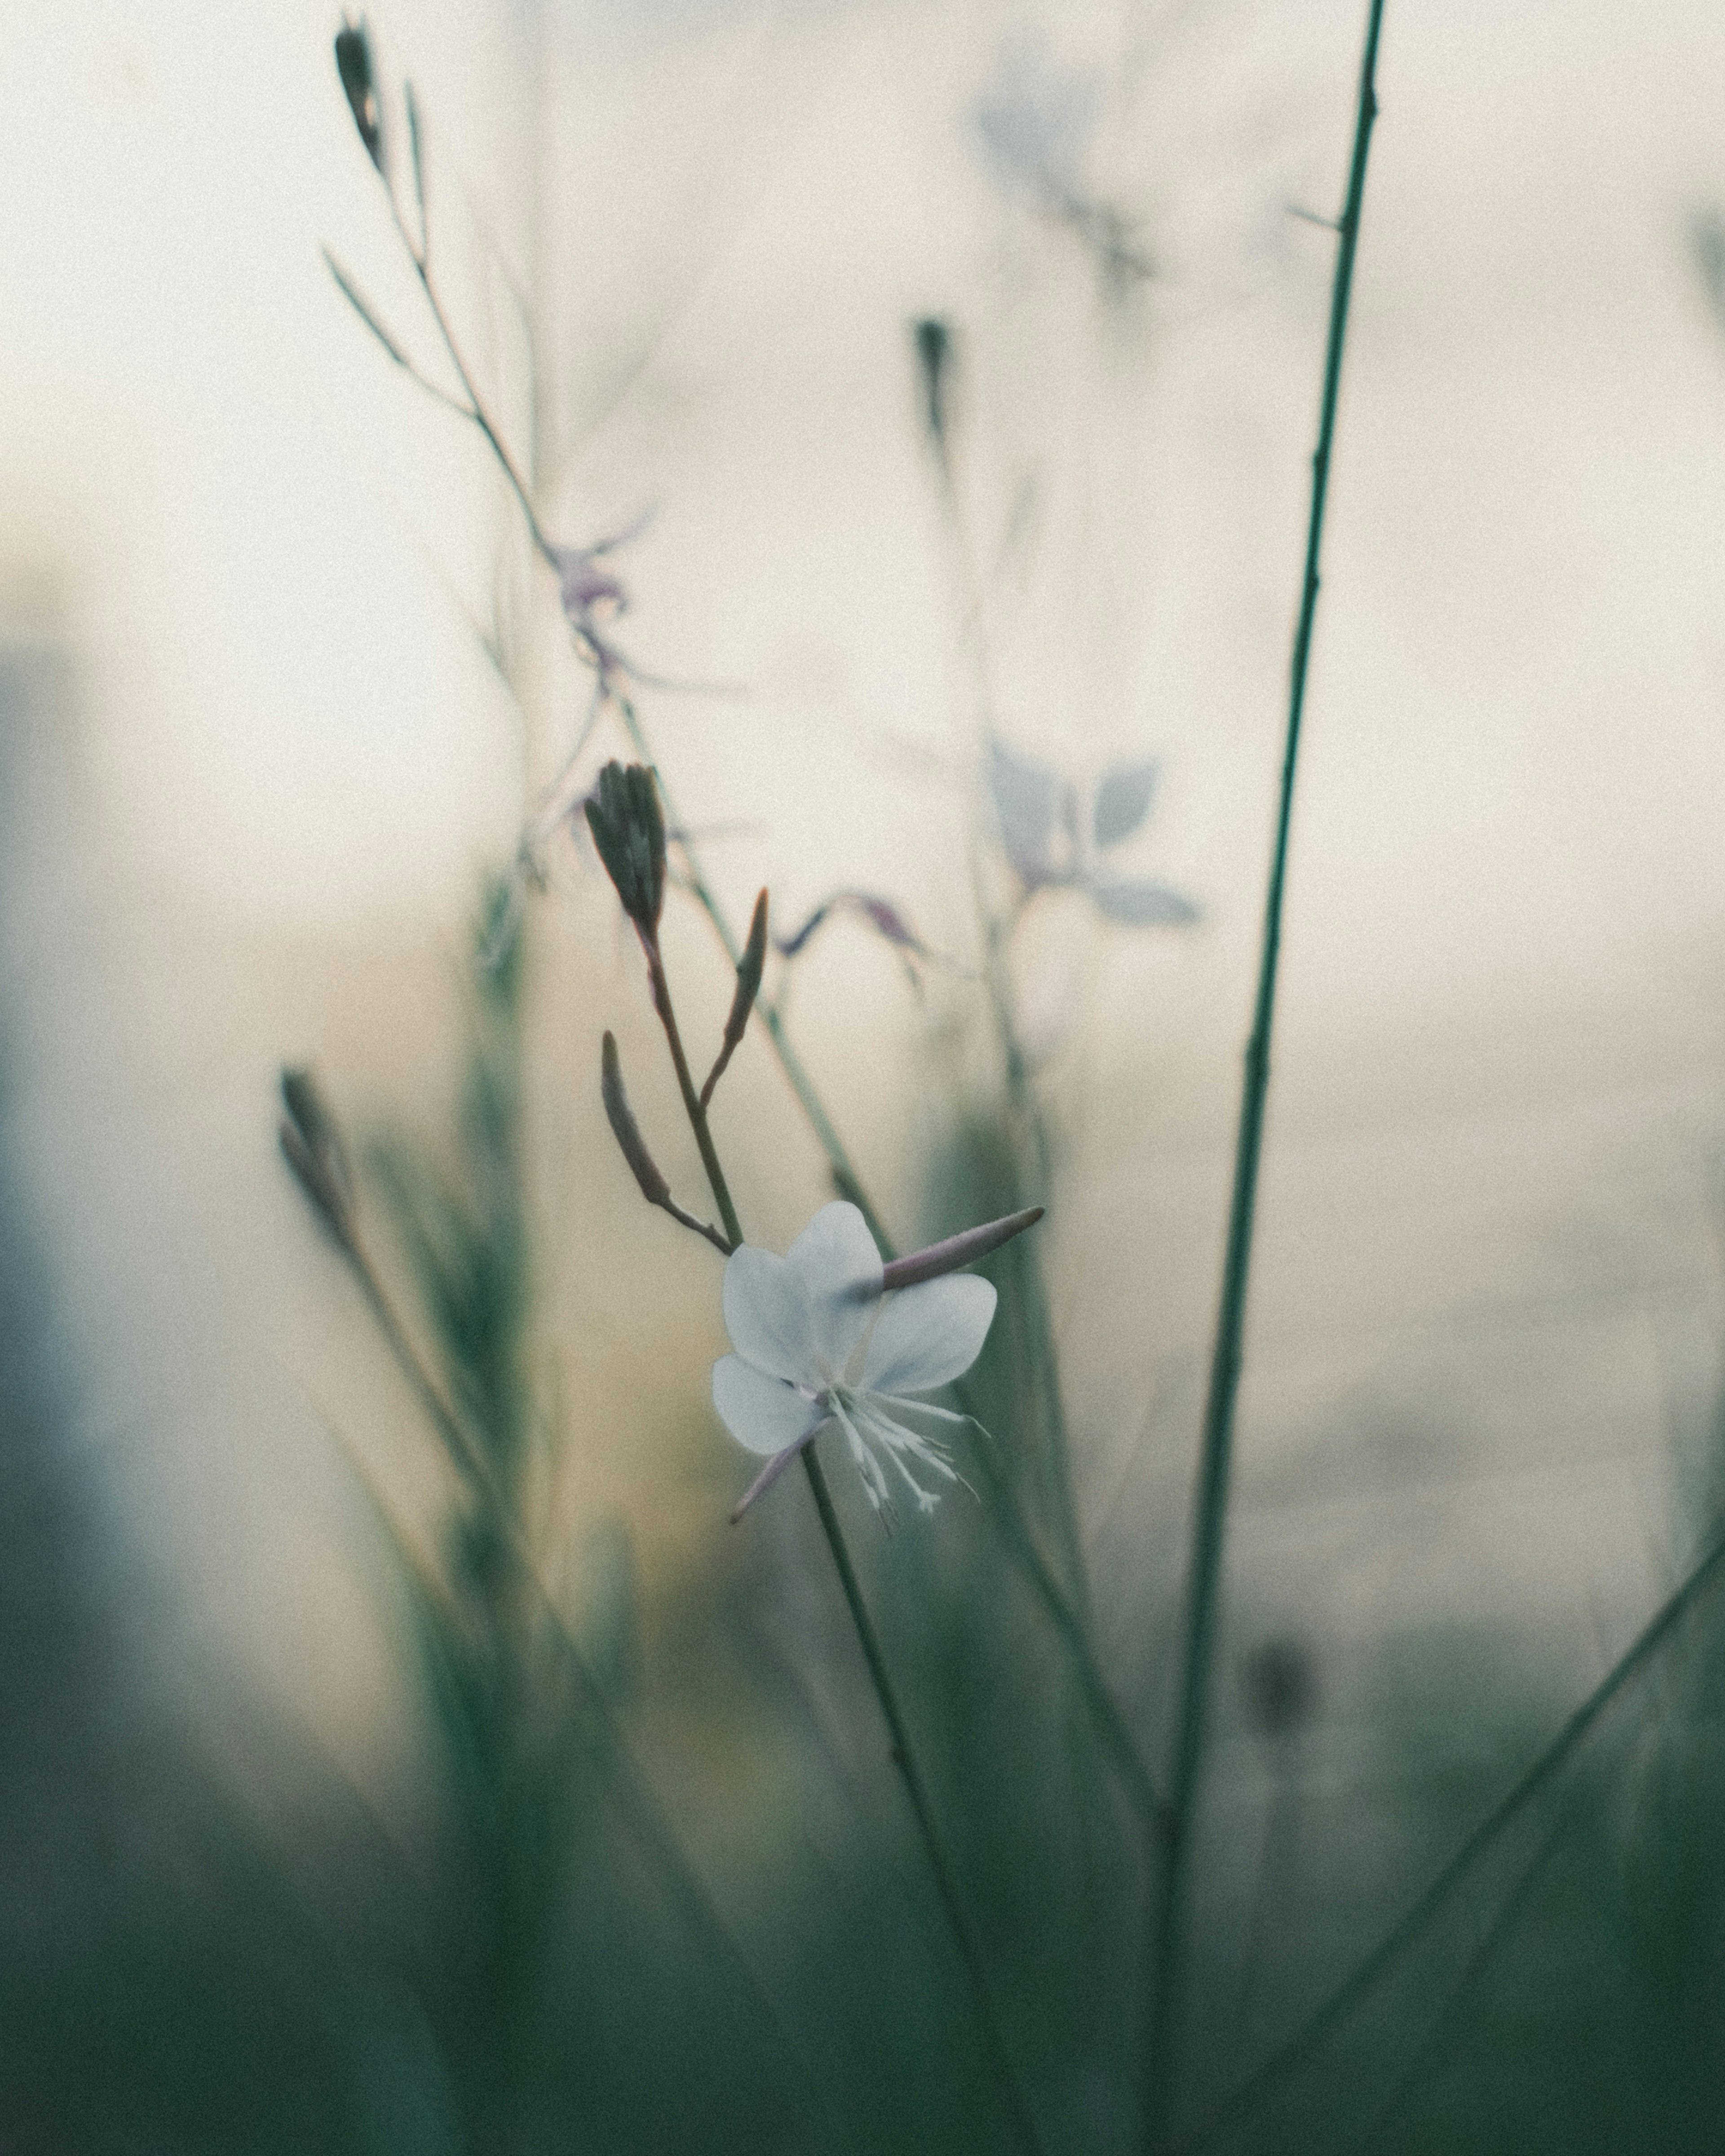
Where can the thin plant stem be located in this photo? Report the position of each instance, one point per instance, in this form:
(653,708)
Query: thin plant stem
(1012,2099)
(1289,2056)
(1210,1506)
(691,1100)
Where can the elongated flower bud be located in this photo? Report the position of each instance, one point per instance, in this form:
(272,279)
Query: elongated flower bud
(957,1250)
(748,975)
(627,828)
(353,63)
(624,1128)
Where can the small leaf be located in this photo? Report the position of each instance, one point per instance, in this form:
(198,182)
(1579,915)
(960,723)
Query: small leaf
(1122,801)
(1144,905)
(1026,800)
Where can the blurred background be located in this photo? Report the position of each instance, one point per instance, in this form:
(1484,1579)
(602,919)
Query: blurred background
(315,1836)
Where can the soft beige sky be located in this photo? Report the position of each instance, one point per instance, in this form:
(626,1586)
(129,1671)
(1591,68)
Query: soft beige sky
(1516,755)
(1513,808)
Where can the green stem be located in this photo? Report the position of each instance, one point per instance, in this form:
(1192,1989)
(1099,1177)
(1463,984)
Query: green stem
(686,1082)
(1210,1508)
(1012,2099)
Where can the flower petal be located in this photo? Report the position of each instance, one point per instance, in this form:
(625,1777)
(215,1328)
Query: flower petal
(1144,905)
(1026,796)
(838,1270)
(928,1335)
(759,1411)
(766,1316)
(1122,801)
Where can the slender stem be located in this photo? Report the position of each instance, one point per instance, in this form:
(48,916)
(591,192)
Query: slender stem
(420,256)
(1012,2099)
(1210,1507)
(691,1099)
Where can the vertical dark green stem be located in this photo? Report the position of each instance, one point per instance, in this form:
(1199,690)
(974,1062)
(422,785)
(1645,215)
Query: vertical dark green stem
(1012,2099)
(1210,1507)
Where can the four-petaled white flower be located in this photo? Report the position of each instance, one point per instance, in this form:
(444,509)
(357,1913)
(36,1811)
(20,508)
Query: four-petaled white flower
(820,1338)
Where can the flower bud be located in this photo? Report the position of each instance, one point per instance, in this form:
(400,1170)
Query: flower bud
(353,63)
(934,352)
(628,831)
(1280,1680)
(624,1128)
(961,1250)
(749,969)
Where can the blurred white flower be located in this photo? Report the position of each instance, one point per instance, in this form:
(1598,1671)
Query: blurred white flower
(1036,119)
(1042,834)
(819,1339)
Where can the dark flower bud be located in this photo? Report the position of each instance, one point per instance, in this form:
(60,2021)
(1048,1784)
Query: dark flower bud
(1280,1680)
(628,831)
(311,1145)
(353,63)
(934,352)
(625,1129)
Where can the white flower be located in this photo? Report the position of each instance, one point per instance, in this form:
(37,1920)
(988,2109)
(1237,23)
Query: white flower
(819,1339)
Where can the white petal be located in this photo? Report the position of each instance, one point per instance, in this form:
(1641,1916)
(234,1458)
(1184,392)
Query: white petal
(759,1411)
(838,1270)
(928,1335)
(766,1316)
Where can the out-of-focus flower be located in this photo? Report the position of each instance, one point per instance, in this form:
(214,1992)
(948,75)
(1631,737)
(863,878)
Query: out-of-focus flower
(1036,123)
(593,596)
(818,1339)
(1037,119)
(881,915)
(1042,836)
